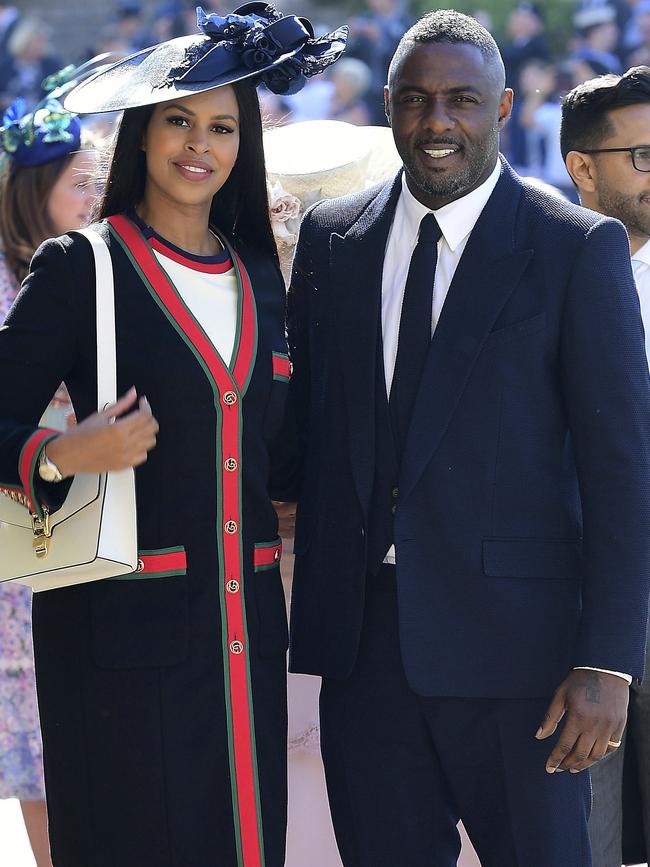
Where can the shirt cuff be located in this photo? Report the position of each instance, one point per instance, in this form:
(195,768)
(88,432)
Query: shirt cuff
(626,677)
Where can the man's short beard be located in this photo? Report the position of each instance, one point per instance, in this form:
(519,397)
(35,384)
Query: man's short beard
(628,209)
(456,186)
(444,186)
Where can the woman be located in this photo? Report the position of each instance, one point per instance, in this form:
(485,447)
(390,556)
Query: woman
(162,693)
(44,191)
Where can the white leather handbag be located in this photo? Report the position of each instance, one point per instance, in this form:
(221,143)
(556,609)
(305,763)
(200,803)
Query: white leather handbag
(93,535)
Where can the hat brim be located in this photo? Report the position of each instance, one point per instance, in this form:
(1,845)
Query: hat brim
(143,78)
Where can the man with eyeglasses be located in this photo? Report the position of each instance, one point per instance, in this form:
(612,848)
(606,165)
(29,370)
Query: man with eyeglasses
(605,142)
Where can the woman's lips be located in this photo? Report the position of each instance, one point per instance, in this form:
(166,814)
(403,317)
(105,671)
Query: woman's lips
(194,172)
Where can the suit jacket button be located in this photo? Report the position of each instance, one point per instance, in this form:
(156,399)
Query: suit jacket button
(393,509)
(395,493)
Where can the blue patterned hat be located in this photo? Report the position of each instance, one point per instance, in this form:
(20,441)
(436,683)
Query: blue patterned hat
(41,136)
(255,42)
(49,131)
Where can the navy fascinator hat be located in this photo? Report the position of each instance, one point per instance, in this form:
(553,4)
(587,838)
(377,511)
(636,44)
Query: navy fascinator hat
(255,42)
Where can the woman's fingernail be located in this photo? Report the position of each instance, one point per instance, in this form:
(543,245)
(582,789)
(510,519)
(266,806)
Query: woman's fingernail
(539,732)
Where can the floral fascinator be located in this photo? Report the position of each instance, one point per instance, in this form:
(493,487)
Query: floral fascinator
(49,131)
(255,42)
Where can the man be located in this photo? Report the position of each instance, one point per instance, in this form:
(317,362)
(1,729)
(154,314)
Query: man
(473,519)
(606,144)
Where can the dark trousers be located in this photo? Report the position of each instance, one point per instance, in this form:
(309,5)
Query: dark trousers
(610,804)
(402,769)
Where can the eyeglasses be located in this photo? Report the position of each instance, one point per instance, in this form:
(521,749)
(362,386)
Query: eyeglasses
(640,155)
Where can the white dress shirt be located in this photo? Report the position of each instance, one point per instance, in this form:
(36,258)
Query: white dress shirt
(641,269)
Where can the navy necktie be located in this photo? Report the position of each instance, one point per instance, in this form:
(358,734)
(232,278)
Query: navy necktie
(414,329)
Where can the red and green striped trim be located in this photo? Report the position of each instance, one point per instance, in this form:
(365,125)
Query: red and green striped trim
(27,461)
(281,367)
(157,563)
(193,264)
(229,388)
(267,555)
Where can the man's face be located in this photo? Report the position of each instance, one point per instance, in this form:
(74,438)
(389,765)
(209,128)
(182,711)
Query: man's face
(621,190)
(446,104)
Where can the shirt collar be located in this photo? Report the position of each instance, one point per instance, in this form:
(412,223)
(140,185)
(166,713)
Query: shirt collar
(458,218)
(643,255)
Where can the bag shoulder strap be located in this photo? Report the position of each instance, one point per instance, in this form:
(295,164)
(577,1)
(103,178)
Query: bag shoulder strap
(105,318)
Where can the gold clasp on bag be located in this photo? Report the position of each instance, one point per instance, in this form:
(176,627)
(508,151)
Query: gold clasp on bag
(42,534)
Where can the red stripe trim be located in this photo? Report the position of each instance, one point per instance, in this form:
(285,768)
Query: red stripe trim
(27,461)
(174,561)
(241,711)
(281,365)
(203,267)
(267,556)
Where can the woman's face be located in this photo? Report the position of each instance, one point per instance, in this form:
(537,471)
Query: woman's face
(73,194)
(191,146)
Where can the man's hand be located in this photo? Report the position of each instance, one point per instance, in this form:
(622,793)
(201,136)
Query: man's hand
(595,707)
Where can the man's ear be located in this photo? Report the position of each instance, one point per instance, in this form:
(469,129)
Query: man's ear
(505,107)
(582,169)
(387,104)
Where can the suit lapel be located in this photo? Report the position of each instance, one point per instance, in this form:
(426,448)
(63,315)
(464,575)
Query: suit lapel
(356,266)
(487,274)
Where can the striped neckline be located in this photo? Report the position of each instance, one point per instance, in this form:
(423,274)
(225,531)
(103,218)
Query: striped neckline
(221,263)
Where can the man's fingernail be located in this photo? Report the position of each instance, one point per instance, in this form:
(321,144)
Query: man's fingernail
(539,732)
(550,769)
(575,770)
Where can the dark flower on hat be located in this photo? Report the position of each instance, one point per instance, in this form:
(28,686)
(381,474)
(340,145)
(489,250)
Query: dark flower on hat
(260,39)
(259,49)
(285,79)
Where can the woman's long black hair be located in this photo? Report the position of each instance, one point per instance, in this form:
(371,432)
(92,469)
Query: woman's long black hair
(240,209)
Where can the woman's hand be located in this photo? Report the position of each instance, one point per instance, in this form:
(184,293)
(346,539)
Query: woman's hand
(110,440)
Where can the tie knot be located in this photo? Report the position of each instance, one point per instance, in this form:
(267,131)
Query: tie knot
(429,230)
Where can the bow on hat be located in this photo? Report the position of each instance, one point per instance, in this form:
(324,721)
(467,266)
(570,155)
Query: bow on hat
(282,48)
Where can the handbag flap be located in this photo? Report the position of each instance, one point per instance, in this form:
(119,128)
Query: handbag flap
(84,490)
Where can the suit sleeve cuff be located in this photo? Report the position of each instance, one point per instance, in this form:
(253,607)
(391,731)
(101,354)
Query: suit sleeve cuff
(626,677)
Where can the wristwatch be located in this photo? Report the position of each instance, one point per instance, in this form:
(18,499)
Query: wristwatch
(47,470)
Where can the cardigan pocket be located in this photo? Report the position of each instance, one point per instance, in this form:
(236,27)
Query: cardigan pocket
(140,623)
(157,563)
(269,598)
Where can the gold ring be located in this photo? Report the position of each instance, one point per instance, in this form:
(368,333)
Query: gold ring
(614,744)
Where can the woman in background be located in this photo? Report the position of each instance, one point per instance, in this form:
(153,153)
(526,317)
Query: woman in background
(44,191)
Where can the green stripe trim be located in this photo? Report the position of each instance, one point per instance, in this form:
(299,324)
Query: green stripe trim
(278,377)
(148,576)
(179,549)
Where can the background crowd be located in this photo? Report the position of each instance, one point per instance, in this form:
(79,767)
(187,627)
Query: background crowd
(548,47)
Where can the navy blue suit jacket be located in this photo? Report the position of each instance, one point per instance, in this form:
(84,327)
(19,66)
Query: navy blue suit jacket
(522,531)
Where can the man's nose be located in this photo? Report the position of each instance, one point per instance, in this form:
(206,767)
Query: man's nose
(438,117)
